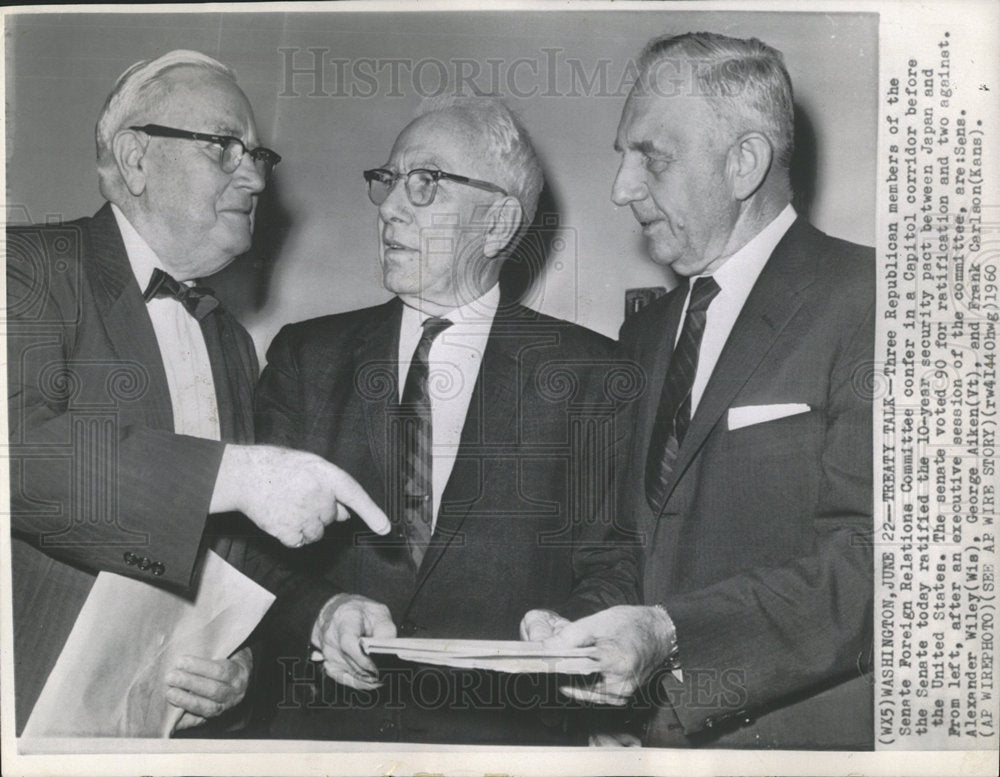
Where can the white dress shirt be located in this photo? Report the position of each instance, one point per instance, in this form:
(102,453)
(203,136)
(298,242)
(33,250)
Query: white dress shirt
(736,278)
(453,362)
(182,345)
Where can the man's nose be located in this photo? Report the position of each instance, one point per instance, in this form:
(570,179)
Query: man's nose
(628,185)
(396,206)
(249,176)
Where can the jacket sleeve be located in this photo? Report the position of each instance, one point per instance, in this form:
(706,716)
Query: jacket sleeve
(604,547)
(87,487)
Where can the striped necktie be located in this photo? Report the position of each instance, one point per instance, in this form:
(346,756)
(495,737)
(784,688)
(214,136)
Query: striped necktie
(674,413)
(416,455)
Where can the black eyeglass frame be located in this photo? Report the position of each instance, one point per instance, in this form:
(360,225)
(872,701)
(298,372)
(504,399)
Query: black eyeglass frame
(388,179)
(260,154)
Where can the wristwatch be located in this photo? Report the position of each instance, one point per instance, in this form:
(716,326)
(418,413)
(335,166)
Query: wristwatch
(673,660)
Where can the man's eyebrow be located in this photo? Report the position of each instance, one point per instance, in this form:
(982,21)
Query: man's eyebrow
(647,147)
(427,161)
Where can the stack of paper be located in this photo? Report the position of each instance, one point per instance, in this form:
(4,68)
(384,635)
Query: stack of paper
(498,656)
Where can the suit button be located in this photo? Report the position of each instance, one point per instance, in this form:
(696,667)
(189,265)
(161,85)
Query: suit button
(157,569)
(144,563)
(710,722)
(129,557)
(407,628)
(387,729)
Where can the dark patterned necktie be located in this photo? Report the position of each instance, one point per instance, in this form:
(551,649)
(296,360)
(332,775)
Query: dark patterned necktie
(199,301)
(416,465)
(674,413)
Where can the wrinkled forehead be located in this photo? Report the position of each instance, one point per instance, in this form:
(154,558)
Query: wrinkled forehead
(201,100)
(648,114)
(641,117)
(441,140)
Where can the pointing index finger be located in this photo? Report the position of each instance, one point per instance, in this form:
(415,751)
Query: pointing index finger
(349,492)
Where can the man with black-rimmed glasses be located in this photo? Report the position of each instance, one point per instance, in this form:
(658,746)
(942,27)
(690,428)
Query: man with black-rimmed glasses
(130,386)
(477,423)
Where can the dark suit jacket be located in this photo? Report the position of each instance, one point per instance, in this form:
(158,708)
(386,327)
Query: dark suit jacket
(762,553)
(517,527)
(96,470)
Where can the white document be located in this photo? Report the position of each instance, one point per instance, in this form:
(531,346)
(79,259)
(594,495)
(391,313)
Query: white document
(109,678)
(498,656)
(758,414)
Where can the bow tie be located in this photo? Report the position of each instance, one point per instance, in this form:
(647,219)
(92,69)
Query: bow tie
(199,301)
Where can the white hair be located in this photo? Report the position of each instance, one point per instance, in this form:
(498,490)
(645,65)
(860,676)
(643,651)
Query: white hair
(507,139)
(744,80)
(140,86)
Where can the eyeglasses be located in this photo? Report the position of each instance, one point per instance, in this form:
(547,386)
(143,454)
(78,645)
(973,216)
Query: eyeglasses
(233,149)
(421,185)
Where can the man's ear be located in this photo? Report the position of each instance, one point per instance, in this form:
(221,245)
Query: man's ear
(503,220)
(129,149)
(748,164)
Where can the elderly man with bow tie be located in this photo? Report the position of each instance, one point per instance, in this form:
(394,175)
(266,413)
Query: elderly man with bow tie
(130,387)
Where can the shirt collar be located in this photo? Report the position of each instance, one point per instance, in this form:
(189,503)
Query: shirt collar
(141,257)
(481,310)
(740,270)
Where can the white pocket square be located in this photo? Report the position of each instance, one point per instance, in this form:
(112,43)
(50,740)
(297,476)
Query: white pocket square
(758,414)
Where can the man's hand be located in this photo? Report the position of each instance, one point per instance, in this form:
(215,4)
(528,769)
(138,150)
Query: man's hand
(631,641)
(538,625)
(292,495)
(338,630)
(205,689)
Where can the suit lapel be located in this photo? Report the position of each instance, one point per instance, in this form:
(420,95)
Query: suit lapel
(656,347)
(233,373)
(489,420)
(122,311)
(773,301)
(376,370)
(653,353)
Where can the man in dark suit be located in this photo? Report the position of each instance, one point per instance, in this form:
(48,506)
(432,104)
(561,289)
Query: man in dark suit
(750,469)
(130,391)
(480,425)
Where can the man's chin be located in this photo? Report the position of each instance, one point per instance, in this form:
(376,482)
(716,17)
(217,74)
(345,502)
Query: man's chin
(400,289)
(400,281)
(662,256)
(668,256)
(215,267)
(210,265)
(238,247)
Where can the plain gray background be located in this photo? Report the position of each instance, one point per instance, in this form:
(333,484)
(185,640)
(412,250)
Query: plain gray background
(315,250)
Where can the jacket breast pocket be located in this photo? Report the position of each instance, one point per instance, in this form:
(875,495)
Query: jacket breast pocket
(800,434)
